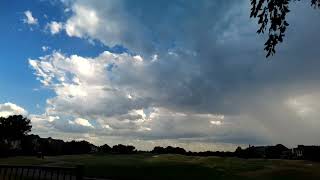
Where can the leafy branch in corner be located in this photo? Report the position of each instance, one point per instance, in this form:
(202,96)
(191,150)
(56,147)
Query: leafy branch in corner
(271,15)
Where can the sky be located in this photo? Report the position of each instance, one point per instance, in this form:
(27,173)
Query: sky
(174,72)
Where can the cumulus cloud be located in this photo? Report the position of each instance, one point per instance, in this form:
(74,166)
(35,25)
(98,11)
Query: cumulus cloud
(9,109)
(85,20)
(198,74)
(55,27)
(81,122)
(29,19)
(98,20)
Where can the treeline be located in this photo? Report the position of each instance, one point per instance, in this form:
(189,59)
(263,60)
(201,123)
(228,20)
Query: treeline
(33,145)
(14,140)
(179,150)
(278,151)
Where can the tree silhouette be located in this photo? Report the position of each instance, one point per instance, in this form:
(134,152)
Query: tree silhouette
(14,127)
(105,148)
(123,149)
(271,16)
(78,147)
(168,150)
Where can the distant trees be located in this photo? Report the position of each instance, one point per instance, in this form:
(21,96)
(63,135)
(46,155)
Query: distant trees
(238,151)
(168,150)
(179,150)
(117,149)
(105,148)
(278,151)
(33,144)
(272,17)
(14,140)
(123,149)
(78,147)
(275,152)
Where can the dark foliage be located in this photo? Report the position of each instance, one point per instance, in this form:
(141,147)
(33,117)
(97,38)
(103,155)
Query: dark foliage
(279,151)
(78,147)
(271,152)
(33,145)
(14,127)
(275,152)
(178,150)
(168,150)
(105,148)
(310,152)
(271,15)
(123,149)
(12,130)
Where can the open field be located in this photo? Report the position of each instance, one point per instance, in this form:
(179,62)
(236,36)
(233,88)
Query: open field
(147,166)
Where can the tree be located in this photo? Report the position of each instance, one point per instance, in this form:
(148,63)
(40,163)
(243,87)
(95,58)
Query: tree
(159,150)
(105,148)
(14,128)
(123,149)
(238,151)
(168,150)
(275,152)
(78,147)
(272,15)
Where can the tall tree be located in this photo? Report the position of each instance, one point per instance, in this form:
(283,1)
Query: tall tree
(271,15)
(14,127)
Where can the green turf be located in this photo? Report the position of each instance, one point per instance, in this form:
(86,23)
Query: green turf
(148,166)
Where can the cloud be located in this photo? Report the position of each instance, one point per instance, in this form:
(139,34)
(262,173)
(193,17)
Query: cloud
(122,94)
(81,122)
(9,109)
(218,123)
(78,81)
(55,27)
(29,19)
(45,48)
(193,63)
(85,20)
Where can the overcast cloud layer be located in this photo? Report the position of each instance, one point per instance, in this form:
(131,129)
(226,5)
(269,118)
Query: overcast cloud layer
(195,73)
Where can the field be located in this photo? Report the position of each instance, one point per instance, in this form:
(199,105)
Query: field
(165,167)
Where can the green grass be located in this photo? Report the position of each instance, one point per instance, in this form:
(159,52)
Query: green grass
(147,166)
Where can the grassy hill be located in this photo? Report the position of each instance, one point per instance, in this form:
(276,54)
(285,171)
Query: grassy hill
(148,166)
